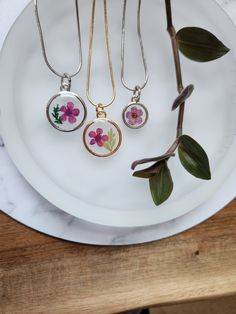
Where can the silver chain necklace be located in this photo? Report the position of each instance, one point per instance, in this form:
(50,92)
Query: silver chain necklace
(135,114)
(66,111)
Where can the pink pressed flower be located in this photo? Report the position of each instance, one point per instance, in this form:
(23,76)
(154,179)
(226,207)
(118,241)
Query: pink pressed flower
(69,113)
(97,137)
(134,116)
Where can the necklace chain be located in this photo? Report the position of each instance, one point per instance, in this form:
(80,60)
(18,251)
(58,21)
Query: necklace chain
(141,47)
(64,75)
(108,55)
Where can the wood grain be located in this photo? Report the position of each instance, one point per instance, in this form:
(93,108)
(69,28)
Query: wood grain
(40,274)
(219,306)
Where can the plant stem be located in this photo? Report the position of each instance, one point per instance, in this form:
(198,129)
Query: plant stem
(172,32)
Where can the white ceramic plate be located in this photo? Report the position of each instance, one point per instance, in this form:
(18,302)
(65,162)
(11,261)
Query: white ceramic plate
(58,166)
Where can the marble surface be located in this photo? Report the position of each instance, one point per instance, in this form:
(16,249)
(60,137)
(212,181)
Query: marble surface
(20,201)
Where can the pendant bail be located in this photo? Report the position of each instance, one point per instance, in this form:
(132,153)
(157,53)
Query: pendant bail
(100,111)
(65,82)
(136,94)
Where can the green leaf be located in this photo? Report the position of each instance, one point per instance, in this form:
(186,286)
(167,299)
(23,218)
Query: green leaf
(200,45)
(183,96)
(193,158)
(147,160)
(161,184)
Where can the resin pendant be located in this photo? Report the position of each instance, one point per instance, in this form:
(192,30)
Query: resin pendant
(102,137)
(66,111)
(135,115)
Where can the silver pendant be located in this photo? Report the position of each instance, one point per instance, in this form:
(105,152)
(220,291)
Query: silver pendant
(135,114)
(66,111)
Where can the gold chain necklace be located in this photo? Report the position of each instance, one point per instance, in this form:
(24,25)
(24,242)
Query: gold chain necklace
(102,137)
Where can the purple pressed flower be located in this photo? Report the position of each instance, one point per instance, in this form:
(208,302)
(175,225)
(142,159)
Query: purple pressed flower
(134,116)
(97,137)
(69,113)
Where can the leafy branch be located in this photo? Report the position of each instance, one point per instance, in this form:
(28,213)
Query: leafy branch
(198,45)
(109,145)
(56,115)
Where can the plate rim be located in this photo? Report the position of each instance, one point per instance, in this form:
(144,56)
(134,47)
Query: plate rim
(28,176)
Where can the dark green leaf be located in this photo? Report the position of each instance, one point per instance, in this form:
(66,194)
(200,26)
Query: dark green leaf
(193,158)
(147,160)
(185,94)
(148,172)
(161,184)
(200,45)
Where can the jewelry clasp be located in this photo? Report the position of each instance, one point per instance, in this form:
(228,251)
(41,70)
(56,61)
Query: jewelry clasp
(100,111)
(65,82)
(136,94)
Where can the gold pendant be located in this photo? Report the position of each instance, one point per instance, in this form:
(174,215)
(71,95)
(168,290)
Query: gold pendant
(102,137)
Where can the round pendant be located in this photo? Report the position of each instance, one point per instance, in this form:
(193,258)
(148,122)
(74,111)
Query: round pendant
(66,111)
(135,115)
(102,137)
